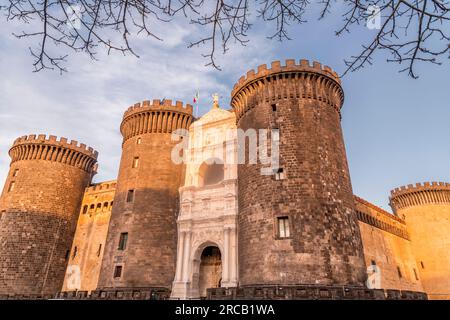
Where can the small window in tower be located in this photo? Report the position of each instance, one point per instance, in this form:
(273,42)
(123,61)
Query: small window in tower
(99,207)
(422,264)
(111,204)
(75,251)
(135,162)
(283,227)
(399,272)
(274,107)
(130,195)
(99,251)
(415,274)
(373,263)
(92,207)
(279,174)
(67,255)
(123,241)
(85,209)
(117,271)
(11,186)
(105,206)
(138,141)
(15,173)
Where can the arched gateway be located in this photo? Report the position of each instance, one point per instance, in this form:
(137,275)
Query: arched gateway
(207,237)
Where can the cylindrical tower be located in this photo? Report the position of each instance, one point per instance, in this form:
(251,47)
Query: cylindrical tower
(298,225)
(39,211)
(142,238)
(426,210)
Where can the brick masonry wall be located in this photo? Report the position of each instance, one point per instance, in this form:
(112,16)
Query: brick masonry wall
(38,221)
(325,244)
(150,219)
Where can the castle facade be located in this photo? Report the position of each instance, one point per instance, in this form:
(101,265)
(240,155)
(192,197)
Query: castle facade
(193,215)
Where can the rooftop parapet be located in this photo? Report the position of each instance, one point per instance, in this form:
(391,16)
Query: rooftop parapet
(54,141)
(158,116)
(102,186)
(157,104)
(420,194)
(420,186)
(289,66)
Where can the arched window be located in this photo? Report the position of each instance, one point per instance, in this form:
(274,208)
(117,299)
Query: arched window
(211,173)
(85,209)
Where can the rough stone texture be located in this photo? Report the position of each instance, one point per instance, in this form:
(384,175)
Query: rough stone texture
(426,210)
(325,245)
(150,219)
(88,244)
(39,215)
(386,242)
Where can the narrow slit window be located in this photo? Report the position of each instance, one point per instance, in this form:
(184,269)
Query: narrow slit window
(99,251)
(75,251)
(399,272)
(274,107)
(130,196)
(138,141)
(422,264)
(123,241)
(283,227)
(117,271)
(415,274)
(11,186)
(135,162)
(85,209)
(15,173)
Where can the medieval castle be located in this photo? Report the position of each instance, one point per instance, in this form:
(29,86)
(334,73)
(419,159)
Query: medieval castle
(214,228)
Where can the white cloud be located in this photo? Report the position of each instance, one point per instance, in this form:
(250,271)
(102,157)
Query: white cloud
(87,103)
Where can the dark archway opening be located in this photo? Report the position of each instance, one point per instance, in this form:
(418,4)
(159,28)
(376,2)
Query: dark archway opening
(210,270)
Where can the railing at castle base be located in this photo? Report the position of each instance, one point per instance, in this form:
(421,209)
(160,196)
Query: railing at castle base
(297,292)
(311,292)
(117,294)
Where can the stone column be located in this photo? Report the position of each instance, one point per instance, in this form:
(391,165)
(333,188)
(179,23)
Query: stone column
(186,254)
(233,277)
(180,255)
(226,255)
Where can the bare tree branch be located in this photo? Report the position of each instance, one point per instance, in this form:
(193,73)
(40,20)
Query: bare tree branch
(410,31)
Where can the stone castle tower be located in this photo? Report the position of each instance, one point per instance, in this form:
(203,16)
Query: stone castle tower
(426,210)
(287,228)
(299,224)
(40,205)
(142,239)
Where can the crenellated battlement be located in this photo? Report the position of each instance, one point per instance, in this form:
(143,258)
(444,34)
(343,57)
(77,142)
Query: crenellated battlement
(158,116)
(420,194)
(379,218)
(50,148)
(101,187)
(301,80)
(289,65)
(157,104)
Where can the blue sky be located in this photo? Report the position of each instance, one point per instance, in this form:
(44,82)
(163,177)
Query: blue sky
(396,129)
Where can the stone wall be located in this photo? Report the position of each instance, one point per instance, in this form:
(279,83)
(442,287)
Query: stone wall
(386,244)
(148,215)
(40,205)
(426,210)
(88,245)
(324,246)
